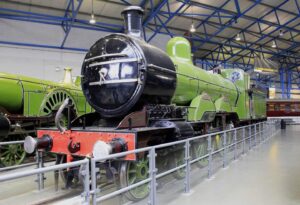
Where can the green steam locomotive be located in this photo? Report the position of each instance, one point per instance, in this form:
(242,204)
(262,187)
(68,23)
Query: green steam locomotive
(144,96)
(27,103)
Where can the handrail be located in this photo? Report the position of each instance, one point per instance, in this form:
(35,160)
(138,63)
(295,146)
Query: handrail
(12,142)
(27,173)
(122,154)
(262,126)
(257,133)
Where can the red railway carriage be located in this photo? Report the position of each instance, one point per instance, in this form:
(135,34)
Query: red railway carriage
(283,107)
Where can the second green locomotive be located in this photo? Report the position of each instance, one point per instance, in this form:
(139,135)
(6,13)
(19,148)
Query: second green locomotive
(27,103)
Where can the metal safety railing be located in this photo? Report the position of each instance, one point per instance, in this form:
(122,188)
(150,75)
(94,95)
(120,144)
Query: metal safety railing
(7,143)
(18,142)
(257,133)
(42,170)
(245,137)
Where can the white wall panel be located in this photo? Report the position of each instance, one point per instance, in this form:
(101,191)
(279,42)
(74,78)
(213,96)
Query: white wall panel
(81,38)
(25,32)
(42,62)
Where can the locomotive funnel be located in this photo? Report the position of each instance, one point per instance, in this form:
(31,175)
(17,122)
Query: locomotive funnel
(133,16)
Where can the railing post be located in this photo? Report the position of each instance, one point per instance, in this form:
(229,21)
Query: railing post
(187,167)
(250,137)
(56,179)
(269,130)
(260,132)
(94,190)
(209,150)
(40,164)
(244,140)
(255,134)
(86,173)
(152,174)
(224,150)
(235,145)
(264,131)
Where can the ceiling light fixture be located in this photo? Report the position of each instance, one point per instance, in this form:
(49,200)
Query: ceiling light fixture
(192,29)
(93,19)
(238,37)
(274,44)
(280,33)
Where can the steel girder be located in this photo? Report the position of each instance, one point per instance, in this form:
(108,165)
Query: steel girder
(71,12)
(162,13)
(247,46)
(162,17)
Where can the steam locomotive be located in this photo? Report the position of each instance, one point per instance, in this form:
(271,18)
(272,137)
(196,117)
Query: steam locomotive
(27,103)
(143,97)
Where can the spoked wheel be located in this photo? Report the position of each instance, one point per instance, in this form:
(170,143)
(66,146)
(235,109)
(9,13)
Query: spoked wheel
(199,149)
(131,173)
(63,121)
(54,100)
(71,177)
(217,142)
(13,154)
(176,161)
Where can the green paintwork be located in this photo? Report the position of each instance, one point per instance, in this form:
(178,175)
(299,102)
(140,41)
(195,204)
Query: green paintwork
(29,96)
(195,79)
(259,105)
(223,105)
(227,91)
(134,173)
(11,92)
(199,105)
(242,84)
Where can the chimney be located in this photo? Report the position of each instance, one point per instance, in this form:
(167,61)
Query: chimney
(133,16)
(68,76)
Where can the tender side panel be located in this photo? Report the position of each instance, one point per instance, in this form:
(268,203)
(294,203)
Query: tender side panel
(259,106)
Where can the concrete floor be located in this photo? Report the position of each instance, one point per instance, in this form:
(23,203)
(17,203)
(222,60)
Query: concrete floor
(24,190)
(268,174)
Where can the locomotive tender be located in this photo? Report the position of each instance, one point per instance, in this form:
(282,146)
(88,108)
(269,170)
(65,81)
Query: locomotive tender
(144,96)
